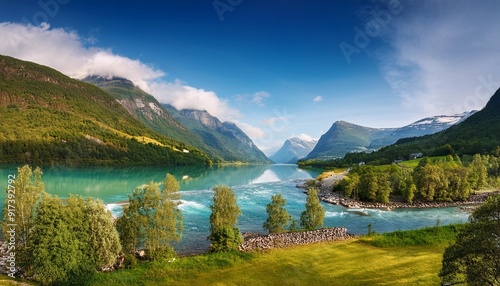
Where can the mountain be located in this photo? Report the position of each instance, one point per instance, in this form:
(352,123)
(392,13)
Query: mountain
(50,119)
(145,108)
(193,127)
(479,133)
(223,140)
(293,150)
(344,137)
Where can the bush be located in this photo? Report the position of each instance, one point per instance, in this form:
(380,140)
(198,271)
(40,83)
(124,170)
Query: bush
(130,261)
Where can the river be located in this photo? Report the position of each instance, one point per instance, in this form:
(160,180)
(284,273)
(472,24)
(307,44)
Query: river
(253,185)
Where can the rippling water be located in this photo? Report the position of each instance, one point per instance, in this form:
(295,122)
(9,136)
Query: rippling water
(253,185)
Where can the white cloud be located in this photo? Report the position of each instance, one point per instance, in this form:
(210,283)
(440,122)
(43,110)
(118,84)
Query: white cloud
(444,56)
(183,96)
(253,132)
(259,97)
(318,99)
(304,136)
(67,52)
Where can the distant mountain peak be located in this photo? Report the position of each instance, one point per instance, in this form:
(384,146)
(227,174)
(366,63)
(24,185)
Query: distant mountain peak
(294,149)
(344,137)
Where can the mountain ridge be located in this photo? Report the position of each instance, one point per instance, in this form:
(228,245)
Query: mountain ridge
(51,119)
(210,135)
(345,137)
(225,139)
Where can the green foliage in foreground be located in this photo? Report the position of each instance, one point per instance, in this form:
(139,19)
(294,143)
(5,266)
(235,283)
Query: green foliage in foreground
(312,218)
(354,262)
(418,237)
(224,234)
(475,256)
(152,219)
(278,217)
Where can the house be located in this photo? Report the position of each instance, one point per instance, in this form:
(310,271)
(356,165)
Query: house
(416,155)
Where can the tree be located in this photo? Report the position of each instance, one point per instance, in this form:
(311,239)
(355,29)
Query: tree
(429,180)
(478,173)
(168,216)
(314,214)
(224,234)
(278,216)
(23,194)
(474,258)
(153,219)
(71,240)
(55,251)
(104,241)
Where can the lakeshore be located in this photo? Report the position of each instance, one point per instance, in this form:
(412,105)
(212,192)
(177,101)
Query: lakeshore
(325,194)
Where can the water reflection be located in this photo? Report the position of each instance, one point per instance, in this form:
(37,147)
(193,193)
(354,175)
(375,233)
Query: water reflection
(112,184)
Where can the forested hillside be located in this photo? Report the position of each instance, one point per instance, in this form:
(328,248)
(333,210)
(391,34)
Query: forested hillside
(210,135)
(478,134)
(48,118)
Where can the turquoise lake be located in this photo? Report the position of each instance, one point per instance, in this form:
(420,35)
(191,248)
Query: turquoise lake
(253,185)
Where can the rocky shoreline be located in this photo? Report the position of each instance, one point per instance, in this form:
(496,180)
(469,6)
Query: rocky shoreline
(325,194)
(472,201)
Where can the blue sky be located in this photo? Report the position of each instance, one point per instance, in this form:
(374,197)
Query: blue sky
(276,68)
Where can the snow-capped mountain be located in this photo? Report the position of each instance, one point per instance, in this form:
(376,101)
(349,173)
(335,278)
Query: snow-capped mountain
(293,150)
(344,137)
(440,121)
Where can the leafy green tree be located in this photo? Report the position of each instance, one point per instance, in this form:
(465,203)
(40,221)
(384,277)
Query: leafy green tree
(314,214)
(474,258)
(224,234)
(22,197)
(478,173)
(168,216)
(152,219)
(104,241)
(409,190)
(278,216)
(429,180)
(384,189)
(58,248)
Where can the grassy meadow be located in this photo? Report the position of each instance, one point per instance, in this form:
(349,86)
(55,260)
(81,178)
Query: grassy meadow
(398,258)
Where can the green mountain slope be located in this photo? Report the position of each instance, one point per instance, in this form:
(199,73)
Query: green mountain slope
(344,137)
(145,108)
(223,140)
(49,118)
(193,127)
(480,133)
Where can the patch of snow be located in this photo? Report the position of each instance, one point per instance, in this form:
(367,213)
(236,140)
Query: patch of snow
(448,119)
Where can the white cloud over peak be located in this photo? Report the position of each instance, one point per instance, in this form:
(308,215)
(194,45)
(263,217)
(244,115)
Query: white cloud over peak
(183,96)
(305,137)
(444,55)
(253,132)
(68,53)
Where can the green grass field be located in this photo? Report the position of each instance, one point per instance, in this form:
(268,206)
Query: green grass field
(399,258)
